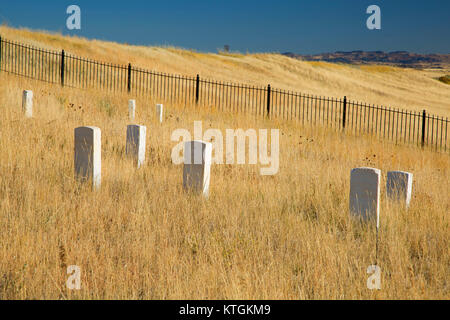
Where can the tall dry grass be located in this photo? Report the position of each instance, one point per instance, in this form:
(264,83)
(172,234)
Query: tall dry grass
(381,85)
(287,236)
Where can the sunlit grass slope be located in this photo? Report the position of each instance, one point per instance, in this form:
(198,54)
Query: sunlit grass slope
(287,236)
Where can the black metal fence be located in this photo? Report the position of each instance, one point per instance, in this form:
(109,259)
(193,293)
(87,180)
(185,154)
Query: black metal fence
(400,126)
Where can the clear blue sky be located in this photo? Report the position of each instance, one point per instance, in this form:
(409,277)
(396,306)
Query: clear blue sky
(301,26)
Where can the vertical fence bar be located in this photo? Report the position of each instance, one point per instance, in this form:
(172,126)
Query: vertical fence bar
(1,52)
(446,124)
(268,100)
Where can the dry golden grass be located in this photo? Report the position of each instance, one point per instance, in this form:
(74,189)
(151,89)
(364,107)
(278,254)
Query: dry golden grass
(445,79)
(287,236)
(382,85)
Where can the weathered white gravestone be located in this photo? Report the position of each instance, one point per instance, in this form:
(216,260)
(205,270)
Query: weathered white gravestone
(135,147)
(365,193)
(197,166)
(88,153)
(131,109)
(399,186)
(27,103)
(159,112)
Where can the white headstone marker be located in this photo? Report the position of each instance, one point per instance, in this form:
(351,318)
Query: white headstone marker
(365,193)
(27,103)
(160,112)
(197,166)
(88,154)
(135,147)
(131,109)
(399,186)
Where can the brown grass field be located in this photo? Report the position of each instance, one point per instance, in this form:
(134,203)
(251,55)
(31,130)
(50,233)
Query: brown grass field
(287,236)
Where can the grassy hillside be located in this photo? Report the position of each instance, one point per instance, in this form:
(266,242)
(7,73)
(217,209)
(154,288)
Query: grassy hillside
(445,79)
(287,236)
(382,85)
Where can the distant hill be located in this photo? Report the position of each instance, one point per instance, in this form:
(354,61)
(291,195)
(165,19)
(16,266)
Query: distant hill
(396,58)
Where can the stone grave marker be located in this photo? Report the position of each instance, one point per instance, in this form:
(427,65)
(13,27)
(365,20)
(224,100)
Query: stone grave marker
(399,186)
(365,194)
(197,166)
(160,112)
(132,109)
(135,147)
(87,157)
(27,103)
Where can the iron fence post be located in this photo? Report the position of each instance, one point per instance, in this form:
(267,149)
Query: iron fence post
(129,78)
(268,99)
(197,88)
(424,115)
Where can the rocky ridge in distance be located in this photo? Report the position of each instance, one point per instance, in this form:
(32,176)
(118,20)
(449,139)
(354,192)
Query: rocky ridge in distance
(395,58)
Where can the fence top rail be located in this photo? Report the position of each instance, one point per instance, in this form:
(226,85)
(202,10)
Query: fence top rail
(28,46)
(382,108)
(437,118)
(304,95)
(87,60)
(161,74)
(230,84)
(166,75)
